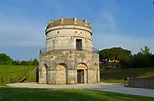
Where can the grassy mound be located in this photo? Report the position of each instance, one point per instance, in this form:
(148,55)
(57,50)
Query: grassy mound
(4,69)
(12,74)
(118,75)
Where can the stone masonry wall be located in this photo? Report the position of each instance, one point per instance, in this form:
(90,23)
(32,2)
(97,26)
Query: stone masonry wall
(71,59)
(141,83)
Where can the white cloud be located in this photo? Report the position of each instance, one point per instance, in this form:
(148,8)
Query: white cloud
(18,31)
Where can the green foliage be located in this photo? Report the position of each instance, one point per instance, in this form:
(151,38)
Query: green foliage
(4,59)
(30,62)
(145,51)
(24,63)
(116,53)
(152,60)
(142,59)
(35,62)
(25,94)
(15,62)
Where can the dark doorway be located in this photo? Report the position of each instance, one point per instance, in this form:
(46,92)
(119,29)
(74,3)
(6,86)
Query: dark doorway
(80,76)
(79,44)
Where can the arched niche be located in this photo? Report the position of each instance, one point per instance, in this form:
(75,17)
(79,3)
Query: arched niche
(44,73)
(61,74)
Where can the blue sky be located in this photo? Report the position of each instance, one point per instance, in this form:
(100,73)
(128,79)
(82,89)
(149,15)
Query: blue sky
(115,23)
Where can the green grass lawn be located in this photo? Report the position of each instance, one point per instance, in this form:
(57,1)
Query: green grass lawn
(117,76)
(25,94)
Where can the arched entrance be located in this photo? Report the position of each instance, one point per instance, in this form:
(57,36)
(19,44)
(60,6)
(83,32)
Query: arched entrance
(95,73)
(82,73)
(44,74)
(61,74)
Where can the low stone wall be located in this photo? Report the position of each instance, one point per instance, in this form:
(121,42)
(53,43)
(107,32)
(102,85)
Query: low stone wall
(140,83)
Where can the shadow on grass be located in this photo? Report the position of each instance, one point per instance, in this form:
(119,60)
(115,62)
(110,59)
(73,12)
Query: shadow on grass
(25,94)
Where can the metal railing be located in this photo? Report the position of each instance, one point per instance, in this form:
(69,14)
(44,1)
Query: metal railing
(44,50)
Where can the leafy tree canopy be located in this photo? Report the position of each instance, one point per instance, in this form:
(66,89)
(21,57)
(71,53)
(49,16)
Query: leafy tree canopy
(145,51)
(35,62)
(5,59)
(143,58)
(120,57)
(115,53)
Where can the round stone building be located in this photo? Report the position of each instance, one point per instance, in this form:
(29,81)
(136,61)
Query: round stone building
(69,56)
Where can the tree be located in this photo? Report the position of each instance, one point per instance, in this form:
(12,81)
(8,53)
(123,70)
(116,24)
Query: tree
(35,62)
(146,50)
(15,62)
(5,59)
(152,61)
(116,54)
(30,62)
(24,63)
(143,58)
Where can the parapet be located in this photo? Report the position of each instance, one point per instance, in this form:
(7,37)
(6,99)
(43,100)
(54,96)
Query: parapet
(69,21)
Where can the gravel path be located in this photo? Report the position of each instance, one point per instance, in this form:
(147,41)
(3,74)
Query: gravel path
(110,87)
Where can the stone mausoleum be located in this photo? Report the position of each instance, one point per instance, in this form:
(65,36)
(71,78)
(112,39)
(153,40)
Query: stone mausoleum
(69,56)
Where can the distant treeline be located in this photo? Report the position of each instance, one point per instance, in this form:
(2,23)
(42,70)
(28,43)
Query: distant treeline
(6,60)
(115,57)
(118,57)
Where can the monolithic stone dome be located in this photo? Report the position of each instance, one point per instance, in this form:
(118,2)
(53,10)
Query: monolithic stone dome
(69,21)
